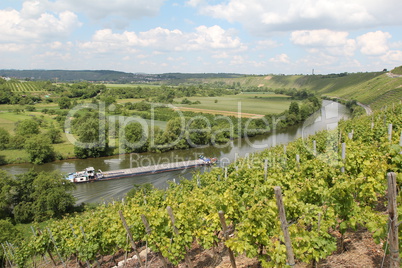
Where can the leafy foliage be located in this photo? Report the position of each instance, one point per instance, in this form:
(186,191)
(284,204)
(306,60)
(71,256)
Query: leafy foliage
(39,149)
(319,198)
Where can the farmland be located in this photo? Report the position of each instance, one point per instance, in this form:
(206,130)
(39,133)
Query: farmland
(23,86)
(259,104)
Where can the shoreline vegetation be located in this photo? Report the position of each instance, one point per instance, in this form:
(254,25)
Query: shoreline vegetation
(33,128)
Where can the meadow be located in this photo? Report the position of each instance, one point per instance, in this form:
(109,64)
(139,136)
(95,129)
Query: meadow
(252,103)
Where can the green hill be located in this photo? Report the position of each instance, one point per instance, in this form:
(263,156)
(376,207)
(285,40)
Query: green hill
(376,89)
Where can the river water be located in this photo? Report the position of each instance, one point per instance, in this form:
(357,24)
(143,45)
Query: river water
(326,118)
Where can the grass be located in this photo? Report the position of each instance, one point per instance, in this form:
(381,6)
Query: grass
(8,120)
(397,70)
(15,156)
(122,101)
(131,85)
(248,103)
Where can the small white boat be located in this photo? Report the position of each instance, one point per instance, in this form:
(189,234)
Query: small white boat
(86,175)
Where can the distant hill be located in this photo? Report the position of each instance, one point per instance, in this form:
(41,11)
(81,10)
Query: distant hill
(104,75)
(79,75)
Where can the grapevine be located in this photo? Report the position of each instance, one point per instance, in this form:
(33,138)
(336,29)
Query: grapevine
(318,195)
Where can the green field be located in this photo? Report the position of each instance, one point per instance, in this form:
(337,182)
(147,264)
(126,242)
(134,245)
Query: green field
(376,89)
(131,85)
(8,120)
(249,103)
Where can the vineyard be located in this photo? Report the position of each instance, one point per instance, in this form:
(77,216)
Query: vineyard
(331,182)
(24,86)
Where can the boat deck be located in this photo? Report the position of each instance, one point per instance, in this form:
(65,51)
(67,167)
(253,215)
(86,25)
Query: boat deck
(152,169)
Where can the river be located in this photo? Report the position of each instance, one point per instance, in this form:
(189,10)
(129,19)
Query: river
(326,118)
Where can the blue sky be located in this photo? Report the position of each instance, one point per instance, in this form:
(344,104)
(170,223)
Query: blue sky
(159,36)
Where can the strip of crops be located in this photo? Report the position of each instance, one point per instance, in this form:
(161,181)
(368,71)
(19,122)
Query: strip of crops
(323,193)
(23,86)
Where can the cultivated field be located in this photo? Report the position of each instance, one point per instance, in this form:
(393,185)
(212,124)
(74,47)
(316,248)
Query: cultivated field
(252,104)
(23,86)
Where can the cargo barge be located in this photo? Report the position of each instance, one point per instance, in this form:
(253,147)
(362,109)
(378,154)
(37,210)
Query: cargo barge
(90,175)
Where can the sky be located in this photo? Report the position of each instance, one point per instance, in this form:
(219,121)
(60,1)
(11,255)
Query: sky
(201,36)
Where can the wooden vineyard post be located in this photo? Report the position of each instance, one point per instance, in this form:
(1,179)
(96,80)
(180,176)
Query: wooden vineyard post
(48,251)
(390,132)
(6,255)
(284,154)
(72,229)
(55,246)
(176,231)
(393,221)
(284,225)
(343,157)
(130,235)
(225,234)
(314,148)
(400,140)
(148,230)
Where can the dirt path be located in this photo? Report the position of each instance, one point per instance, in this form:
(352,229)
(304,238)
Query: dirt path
(393,75)
(369,111)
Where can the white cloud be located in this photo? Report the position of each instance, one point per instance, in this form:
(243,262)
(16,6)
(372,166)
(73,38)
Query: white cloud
(213,37)
(267,44)
(129,9)
(374,43)
(12,47)
(161,39)
(265,16)
(35,26)
(394,56)
(237,60)
(330,42)
(319,38)
(195,3)
(281,58)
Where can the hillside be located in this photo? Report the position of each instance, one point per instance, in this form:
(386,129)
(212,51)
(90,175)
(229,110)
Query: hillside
(376,89)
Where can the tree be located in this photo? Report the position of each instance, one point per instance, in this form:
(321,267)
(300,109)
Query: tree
(41,196)
(294,108)
(64,103)
(92,132)
(39,150)
(27,127)
(51,197)
(7,194)
(174,134)
(108,100)
(198,132)
(54,135)
(135,138)
(4,138)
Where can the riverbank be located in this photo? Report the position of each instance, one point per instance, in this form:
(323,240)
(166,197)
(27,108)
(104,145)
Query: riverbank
(205,129)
